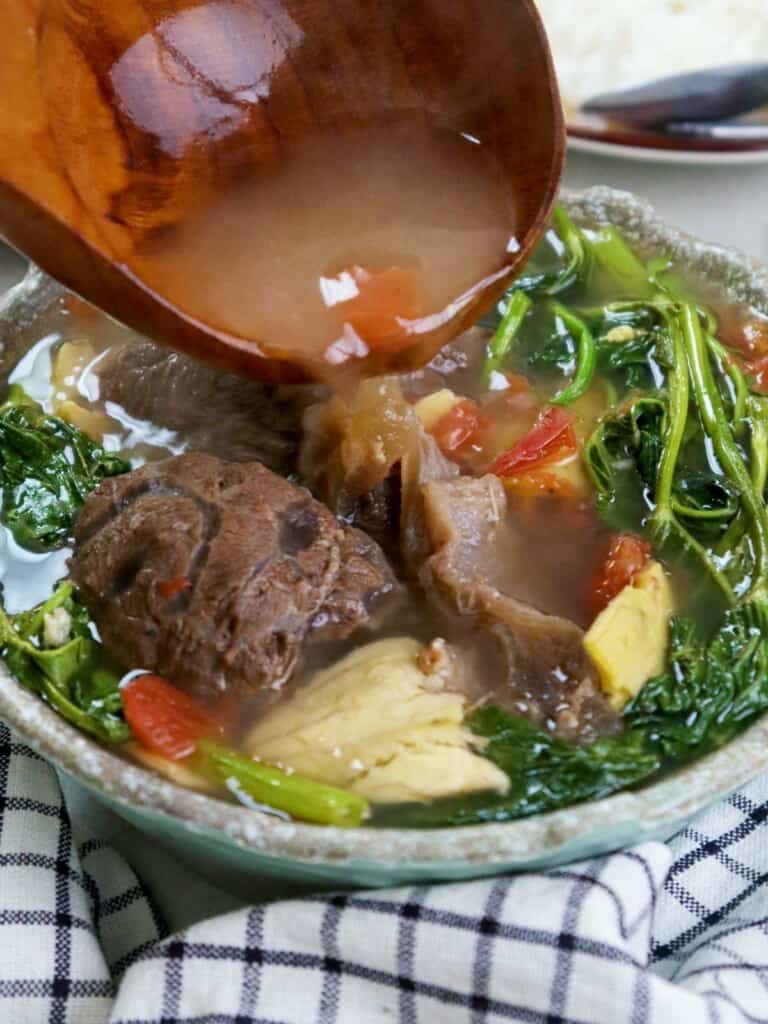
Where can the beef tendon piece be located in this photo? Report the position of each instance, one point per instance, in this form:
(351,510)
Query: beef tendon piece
(547,674)
(218,575)
(367,457)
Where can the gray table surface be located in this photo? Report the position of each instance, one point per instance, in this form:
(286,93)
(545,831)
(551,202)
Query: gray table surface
(726,204)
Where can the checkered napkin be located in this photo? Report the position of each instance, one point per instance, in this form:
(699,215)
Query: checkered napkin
(657,934)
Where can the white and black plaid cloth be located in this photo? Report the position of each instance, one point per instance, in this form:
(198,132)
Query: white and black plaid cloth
(672,934)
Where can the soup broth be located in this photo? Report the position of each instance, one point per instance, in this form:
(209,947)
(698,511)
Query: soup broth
(527,575)
(286,259)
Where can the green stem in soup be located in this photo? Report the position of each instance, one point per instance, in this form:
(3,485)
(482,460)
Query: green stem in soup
(573,259)
(294,795)
(664,524)
(503,340)
(717,427)
(758,422)
(586,356)
(739,392)
(615,258)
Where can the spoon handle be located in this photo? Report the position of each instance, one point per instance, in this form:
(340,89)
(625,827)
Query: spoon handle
(713,95)
(718,130)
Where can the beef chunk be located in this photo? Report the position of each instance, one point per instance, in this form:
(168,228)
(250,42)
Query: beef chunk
(217,575)
(224,415)
(472,570)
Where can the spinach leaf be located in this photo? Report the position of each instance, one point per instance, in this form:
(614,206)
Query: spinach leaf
(51,651)
(47,469)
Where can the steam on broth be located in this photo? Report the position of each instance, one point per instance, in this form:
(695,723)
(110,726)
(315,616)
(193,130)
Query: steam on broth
(530,574)
(287,259)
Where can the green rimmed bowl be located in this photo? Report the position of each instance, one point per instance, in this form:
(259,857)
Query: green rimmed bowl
(224,838)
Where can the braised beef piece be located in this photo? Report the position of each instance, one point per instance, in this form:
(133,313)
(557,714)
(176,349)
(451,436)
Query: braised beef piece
(548,676)
(218,575)
(221,414)
(238,419)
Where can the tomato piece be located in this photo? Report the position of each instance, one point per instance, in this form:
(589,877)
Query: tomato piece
(386,301)
(627,556)
(164,719)
(459,426)
(517,384)
(747,335)
(551,439)
(172,588)
(759,371)
(533,485)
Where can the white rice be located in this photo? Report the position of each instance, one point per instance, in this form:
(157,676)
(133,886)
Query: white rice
(603,45)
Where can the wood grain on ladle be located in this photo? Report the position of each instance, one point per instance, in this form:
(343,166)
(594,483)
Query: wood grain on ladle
(193,166)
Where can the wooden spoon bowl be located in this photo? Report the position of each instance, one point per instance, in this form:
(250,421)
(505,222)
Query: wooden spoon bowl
(123,119)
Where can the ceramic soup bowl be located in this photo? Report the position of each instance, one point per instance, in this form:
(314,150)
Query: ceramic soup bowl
(219,836)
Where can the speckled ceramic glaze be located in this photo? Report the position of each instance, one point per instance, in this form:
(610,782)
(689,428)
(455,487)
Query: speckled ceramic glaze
(244,843)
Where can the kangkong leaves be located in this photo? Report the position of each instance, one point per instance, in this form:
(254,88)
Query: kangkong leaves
(67,671)
(47,469)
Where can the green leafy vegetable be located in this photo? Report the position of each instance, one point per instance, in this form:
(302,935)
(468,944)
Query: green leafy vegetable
(586,359)
(69,674)
(706,503)
(719,430)
(556,353)
(622,458)
(711,690)
(623,270)
(694,510)
(630,346)
(301,798)
(47,469)
(503,340)
(573,259)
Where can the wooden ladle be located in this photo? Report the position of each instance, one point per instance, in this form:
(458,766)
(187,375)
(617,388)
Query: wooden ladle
(120,119)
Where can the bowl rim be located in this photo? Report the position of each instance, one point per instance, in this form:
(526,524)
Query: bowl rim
(658,806)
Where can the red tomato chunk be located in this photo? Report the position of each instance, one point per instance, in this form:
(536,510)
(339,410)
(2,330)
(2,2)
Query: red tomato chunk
(550,440)
(627,556)
(164,719)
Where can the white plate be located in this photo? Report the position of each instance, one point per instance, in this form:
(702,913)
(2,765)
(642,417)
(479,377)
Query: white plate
(647,154)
